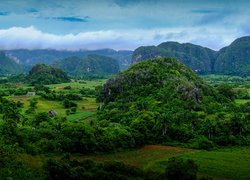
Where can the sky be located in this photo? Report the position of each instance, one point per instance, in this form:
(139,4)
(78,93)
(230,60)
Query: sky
(120,24)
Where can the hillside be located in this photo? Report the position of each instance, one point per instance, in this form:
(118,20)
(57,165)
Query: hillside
(235,59)
(49,56)
(231,60)
(42,74)
(8,66)
(90,66)
(199,58)
(160,98)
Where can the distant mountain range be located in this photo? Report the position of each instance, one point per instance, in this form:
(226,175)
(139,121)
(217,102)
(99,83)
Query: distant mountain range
(48,56)
(90,66)
(231,60)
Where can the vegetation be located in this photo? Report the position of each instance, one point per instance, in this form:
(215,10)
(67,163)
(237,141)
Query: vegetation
(161,100)
(61,132)
(42,74)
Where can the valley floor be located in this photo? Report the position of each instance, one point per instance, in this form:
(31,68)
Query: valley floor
(225,163)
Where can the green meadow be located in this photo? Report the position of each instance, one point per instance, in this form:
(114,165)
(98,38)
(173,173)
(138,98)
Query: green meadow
(224,163)
(86,108)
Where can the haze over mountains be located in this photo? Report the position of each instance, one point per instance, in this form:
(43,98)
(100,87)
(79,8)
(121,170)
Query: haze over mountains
(231,60)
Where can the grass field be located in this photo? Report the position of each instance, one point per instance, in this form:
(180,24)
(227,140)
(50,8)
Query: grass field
(242,101)
(86,107)
(79,84)
(229,163)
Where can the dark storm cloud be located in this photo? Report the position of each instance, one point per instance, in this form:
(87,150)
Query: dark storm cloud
(32,10)
(204,11)
(72,19)
(216,16)
(4,13)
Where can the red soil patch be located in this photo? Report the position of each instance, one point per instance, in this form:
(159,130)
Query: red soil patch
(161,147)
(89,109)
(61,88)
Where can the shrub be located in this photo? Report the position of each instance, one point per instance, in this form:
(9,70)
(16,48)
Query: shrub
(178,168)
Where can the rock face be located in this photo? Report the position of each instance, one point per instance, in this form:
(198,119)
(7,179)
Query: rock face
(199,58)
(235,59)
(231,60)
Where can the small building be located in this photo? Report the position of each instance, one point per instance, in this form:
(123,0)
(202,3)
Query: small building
(30,94)
(52,113)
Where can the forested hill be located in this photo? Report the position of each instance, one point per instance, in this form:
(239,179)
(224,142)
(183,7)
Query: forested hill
(231,60)
(49,56)
(161,100)
(199,58)
(235,58)
(8,65)
(90,66)
(42,74)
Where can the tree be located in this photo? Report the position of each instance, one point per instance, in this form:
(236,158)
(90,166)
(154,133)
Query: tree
(226,90)
(33,103)
(180,169)
(238,125)
(41,117)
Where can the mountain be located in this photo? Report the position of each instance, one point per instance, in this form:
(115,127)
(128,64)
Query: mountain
(49,56)
(92,65)
(235,58)
(42,74)
(158,98)
(199,58)
(231,60)
(8,65)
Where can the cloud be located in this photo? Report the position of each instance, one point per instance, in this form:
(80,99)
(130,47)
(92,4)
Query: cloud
(32,10)
(203,11)
(216,16)
(4,13)
(72,19)
(126,3)
(32,38)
